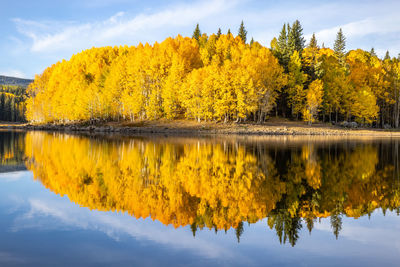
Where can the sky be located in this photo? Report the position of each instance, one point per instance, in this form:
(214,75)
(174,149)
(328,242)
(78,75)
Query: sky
(37,34)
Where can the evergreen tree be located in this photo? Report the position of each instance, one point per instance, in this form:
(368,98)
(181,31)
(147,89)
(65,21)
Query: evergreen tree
(219,32)
(336,224)
(310,224)
(310,59)
(340,46)
(252,41)
(282,39)
(196,33)
(242,32)
(239,231)
(387,56)
(313,42)
(12,110)
(229,32)
(193,227)
(282,47)
(2,107)
(295,38)
(372,52)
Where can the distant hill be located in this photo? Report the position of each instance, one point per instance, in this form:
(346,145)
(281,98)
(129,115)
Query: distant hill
(5,80)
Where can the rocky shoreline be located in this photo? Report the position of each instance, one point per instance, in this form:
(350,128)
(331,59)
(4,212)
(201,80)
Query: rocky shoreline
(239,129)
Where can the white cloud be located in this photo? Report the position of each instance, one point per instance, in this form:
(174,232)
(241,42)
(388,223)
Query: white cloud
(13,73)
(40,43)
(372,26)
(53,36)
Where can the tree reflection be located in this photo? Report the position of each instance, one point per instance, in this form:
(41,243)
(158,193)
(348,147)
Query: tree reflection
(11,151)
(219,184)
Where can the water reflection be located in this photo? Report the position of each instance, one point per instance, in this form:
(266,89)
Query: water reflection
(221,183)
(11,151)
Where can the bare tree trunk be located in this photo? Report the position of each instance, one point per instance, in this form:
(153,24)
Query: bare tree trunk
(336,116)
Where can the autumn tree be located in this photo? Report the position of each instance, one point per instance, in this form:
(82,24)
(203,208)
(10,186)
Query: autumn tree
(337,86)
(310,59)
(313,101)
(295,86)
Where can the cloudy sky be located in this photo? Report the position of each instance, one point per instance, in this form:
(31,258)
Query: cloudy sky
(36,34)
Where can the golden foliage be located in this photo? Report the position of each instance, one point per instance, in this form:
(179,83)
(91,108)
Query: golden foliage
(221,79)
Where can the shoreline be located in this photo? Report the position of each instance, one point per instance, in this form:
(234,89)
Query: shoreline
(273,128)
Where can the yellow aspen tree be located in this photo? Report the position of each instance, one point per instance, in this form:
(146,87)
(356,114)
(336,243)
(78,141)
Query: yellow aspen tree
(170,90)
(313,101)
(192,90)
(295,85)
(367,79)
(336,84)
(364,106)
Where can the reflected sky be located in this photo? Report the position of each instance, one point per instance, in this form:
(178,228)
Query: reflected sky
(38,227)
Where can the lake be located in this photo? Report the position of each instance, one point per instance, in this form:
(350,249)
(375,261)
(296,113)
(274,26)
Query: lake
(75,200)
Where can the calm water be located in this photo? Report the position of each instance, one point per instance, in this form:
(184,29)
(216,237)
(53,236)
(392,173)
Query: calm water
(109,201)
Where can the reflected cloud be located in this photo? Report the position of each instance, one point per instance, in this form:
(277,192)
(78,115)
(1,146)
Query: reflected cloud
(367,233)
(65,215)
(12,176)
(9,258)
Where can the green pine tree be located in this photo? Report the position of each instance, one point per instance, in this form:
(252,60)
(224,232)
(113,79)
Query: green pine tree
(313,42)
(193,227)
(242,32)
(252,41)
(282,47)
(372,52)
(340,46)
(229,32)
(196,33)
(387,56)
(219,32)
(336,224)
(239,231)
(296,40)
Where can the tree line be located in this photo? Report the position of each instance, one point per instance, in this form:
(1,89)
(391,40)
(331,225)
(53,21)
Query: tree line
(220,77)
(12,103)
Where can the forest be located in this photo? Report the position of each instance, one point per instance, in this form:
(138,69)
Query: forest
(12,103)
(221,77)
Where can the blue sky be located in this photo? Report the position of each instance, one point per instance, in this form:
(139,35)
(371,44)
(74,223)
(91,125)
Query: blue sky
(36,34)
